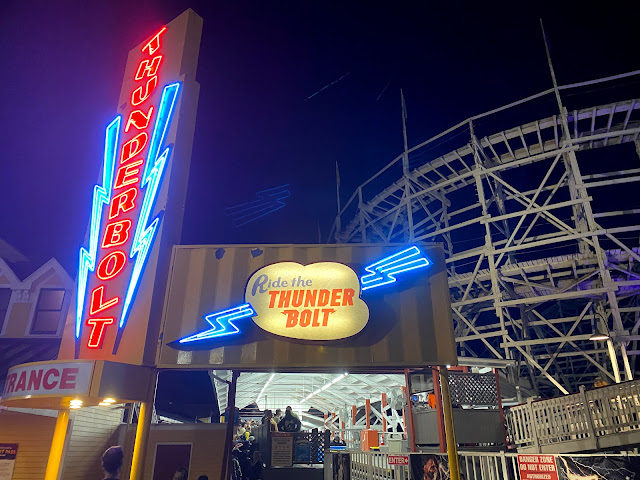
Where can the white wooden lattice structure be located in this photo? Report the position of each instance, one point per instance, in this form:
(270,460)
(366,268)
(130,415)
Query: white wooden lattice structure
(541,252)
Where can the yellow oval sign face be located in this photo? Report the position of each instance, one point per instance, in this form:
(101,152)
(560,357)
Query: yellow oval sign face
(320,301)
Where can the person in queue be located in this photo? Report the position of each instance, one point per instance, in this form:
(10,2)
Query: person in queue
(278,416)
(290,422)
(267,419)
(112,462)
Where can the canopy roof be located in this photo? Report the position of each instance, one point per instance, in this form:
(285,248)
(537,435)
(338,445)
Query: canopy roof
(327,392)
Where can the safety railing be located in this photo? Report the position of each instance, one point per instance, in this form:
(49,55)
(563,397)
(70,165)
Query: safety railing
(588,420)
(375,466)
(478,465)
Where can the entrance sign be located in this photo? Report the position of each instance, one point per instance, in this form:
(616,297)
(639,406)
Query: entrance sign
(398,459)
(136,209)
(48,379)
(8,453)
(308,308)
(281,449)
(537,467)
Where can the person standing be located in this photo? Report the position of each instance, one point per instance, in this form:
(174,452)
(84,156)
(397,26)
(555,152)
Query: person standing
(268,420)
(112,462)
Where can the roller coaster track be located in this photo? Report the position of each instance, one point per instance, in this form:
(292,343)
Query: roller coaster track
(500,203)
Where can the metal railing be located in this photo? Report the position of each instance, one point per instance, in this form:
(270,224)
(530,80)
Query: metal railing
(473,465)
(588,420)
(365,466)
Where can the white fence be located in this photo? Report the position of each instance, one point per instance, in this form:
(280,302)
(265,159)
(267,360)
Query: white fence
(589,420)
(473,466)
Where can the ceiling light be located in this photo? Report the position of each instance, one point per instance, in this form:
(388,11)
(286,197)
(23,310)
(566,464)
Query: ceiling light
(109,400)
(599,336)
(265,387)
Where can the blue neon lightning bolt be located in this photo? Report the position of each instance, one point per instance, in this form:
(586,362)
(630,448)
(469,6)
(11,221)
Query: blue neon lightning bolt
(269,201)
(155,166)
(224,321)
(383,271)
(101,197)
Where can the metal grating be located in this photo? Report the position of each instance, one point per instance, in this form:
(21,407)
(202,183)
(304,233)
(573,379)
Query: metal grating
(473,389)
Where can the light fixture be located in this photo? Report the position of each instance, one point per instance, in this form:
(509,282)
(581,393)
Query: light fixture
(109,400)
(265,387)
(598,335)
(324,387)
(75,403)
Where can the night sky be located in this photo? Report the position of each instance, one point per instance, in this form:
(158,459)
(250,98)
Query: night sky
(63,63)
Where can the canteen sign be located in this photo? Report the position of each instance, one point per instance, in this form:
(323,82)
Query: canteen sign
(320,301)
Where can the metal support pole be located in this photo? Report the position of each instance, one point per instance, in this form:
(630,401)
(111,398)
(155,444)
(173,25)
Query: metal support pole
(452,447)
(142,435)
(57,445)
(367,409)
(230,417)
(442,437)
(412,431)
(383,407)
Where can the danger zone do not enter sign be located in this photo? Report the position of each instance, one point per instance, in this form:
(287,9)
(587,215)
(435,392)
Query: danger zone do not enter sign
(537,467)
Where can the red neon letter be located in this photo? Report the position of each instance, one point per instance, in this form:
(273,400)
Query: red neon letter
(97,301)
(35,377)
(45,381)
(148,68)
(138,119)
(154,43)
(111,265)
(137,97)
(97,330)
(126,174)
(116,233)
(133,147)
(122,202)
(68,378)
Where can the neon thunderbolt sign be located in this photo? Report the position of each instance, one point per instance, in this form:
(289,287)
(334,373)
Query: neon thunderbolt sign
(381,273)
(130,183)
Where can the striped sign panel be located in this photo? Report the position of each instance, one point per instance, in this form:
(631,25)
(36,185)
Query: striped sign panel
(409,325)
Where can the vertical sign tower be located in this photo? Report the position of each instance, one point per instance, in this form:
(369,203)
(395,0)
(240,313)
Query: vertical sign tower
(137,205)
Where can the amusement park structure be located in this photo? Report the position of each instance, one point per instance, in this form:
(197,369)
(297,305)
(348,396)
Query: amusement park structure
(540,225)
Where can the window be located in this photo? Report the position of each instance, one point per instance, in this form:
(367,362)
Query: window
(5,296)
(48,310)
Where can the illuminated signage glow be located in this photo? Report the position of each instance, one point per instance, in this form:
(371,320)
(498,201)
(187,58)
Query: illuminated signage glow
(224,319)
(383,271)
(320,301)
(128,192)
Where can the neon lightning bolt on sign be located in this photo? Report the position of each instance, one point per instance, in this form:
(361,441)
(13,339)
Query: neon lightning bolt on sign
(383,272)
(122,229)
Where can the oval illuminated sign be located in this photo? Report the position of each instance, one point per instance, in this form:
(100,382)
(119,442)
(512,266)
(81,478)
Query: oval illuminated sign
(320,301)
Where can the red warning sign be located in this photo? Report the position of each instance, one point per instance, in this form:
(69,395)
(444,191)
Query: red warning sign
(537,467)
